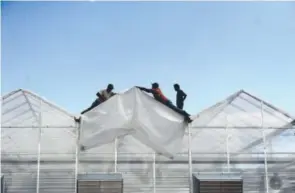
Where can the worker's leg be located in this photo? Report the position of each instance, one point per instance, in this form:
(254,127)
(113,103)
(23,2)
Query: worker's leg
(180,105)
(94,104)
(182,112)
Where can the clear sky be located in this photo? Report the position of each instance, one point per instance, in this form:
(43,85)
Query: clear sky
(66,51)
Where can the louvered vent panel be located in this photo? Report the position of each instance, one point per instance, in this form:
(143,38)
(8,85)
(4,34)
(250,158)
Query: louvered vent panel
(216,186)
(100,184)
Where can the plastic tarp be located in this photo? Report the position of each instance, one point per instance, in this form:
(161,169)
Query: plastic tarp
(134,113)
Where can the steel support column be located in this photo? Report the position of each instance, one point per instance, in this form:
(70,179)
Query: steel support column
(227,145)
(154,173)
(115,154)
(190,159)
(264,148)
(39,146)
(77,156)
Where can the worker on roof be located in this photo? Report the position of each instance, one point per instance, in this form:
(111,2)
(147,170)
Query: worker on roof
(180,96)
(102,96)
(159,96)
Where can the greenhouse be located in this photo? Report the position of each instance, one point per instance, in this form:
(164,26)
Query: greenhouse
(240,144)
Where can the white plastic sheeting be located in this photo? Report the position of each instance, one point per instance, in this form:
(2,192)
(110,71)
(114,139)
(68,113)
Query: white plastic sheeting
(138,114)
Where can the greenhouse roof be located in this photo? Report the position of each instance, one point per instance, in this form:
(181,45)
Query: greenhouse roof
(236,119)
(226,136)
(20,123)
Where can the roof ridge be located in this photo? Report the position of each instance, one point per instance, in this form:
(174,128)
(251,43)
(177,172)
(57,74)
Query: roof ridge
(43,99)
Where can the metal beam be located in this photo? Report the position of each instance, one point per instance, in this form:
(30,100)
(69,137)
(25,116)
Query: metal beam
(31,107)
(48,103)
(190,163)
(14,117)
(225,102)
(115,154)
(5,96)
(227,146)
(39,147)
(264,148)
(241,127)
(270,106)
(267,137)
(288,126)
(13,108)
(204,161)
(154,173)
(265,110)
(77,153)
(43,126)
(181,155)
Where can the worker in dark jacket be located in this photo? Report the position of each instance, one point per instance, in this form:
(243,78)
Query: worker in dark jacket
(180,96)
(159,96)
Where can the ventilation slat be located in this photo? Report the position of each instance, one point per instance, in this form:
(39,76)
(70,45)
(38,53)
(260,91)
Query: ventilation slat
(221,186)
(100,184)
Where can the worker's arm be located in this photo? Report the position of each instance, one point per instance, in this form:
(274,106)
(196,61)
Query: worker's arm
(145,89)
(99,95)
(184,95)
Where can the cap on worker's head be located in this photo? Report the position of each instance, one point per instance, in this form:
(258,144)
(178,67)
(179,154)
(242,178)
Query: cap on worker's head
(110,86)
(155,85)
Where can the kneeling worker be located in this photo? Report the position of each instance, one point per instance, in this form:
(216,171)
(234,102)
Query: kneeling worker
(102,96)
(158,95)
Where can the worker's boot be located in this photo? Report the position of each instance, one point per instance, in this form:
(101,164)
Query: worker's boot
(188,119)
(78,120)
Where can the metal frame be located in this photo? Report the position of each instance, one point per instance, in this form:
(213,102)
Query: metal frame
(115,154)
(289,126)
(229,159)
(264,148)
(185,162)
(37,127)
(190,166)
(39,147)
(38,98)
(154,173)
(77,157)
(227,146)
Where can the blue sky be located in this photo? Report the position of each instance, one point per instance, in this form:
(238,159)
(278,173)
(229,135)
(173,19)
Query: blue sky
(66,51)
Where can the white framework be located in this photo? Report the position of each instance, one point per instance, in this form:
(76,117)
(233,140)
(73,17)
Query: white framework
(227,120)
